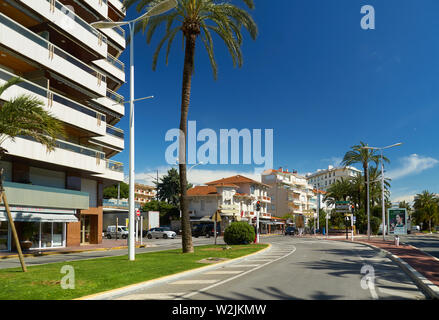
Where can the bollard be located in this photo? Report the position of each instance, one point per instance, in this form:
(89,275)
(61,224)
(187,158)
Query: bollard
(396,240)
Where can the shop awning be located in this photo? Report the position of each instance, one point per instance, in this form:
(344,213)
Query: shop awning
(38,217)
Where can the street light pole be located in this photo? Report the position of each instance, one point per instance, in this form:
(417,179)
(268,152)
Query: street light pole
(156,10)
(368,204)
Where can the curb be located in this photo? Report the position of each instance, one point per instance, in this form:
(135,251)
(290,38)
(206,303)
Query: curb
(422,282)
(149,283)
(40,254)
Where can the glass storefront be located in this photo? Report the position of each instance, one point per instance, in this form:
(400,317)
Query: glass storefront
(44,234)
(4,235)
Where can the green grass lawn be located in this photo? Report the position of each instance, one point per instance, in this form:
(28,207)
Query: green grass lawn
(92,276)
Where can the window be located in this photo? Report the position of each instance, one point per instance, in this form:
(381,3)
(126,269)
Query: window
(3,235)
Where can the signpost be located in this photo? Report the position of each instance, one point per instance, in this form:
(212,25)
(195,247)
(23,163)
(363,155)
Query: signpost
(216,218)
(346,208)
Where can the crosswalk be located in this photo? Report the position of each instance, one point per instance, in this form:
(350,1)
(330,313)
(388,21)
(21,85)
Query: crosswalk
(192,285)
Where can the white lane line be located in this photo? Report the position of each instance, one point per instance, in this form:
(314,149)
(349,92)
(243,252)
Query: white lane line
(224,272)
(235,277)
(397,293)
(195,281)
(253,260)
(243,265)
(152,296)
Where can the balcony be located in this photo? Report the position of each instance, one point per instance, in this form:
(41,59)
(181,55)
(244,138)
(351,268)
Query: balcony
(66,154)
(113,171)
(264,199)
(114,137)
(38,49)
(67,20)
(61,107)
(100,6)
(117,35)
(118,5)
(112,101)
(112,66)
(20,194)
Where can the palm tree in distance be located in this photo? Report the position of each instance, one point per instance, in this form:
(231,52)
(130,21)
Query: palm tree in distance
(362,156)
(24,116)
(426,206)
(196,19)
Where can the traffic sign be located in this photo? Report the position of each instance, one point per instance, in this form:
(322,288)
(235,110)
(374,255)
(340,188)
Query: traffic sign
(138,212)
(217,216)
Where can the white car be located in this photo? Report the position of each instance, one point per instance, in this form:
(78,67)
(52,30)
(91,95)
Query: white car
(416,229)
(164,233)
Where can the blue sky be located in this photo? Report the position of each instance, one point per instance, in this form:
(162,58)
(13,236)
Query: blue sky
(316,78)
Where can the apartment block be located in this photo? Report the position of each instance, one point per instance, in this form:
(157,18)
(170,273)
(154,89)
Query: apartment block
(290,193)
(56,198)
(323,179)
(235,198)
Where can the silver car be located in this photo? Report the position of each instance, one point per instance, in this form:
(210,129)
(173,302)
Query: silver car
(163,232)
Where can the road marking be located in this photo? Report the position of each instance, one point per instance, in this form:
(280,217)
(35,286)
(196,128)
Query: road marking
(243,265)
(195,281)
(235,277)
(152,296)
(252,260)
(223,272)
(397,293)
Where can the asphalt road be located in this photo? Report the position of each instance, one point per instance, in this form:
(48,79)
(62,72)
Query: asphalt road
(294,268)
(427,243)
(159,244)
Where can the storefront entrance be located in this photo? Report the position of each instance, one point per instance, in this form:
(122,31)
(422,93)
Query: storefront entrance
(4,236)
(41,235)
(85,229)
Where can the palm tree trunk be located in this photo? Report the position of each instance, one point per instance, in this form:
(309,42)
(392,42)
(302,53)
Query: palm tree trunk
(185,99)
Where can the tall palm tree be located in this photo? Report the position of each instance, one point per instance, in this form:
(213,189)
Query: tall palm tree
(362,156)
(427,207)
(340,190)
(24,116)
(196,19)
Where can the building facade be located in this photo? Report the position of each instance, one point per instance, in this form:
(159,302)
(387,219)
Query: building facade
(144,193)
(290,193)
(56,198)
(323,179)
(235,198)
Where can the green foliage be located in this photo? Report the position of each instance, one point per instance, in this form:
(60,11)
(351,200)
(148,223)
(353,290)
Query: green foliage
(426,207)
(167,210)
(111,191)
(374,224)
(239,233)
(169,187)
(24,116)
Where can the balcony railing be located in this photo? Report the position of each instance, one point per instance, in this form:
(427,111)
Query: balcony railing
(49,46)
(80,21)
(114,96)
(74,148)
(44,93)
(115,62)
(115,131)
(118,29)
(114,166)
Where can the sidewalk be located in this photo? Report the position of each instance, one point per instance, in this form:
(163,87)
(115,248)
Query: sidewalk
(104,246)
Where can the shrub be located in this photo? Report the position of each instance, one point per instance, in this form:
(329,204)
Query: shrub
(239,233)
(374,224)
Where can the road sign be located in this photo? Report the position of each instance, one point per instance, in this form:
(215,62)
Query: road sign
(138,212)
(216,217)
(342,207)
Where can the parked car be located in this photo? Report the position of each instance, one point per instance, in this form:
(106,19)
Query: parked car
(416,229)
(206,230)
(163,232)
(291,231)
(122,232)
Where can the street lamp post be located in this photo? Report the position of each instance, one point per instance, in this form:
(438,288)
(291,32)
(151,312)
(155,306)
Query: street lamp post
(382,185)
(156,10)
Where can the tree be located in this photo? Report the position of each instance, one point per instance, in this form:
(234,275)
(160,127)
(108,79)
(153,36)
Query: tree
(363,157)
(340,190)
(24,116)
(426,207)
(196,18)
(169,187)
(111,191)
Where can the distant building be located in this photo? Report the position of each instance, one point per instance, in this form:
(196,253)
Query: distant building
(144,193)
(323,179)
(236,199)
(290,193)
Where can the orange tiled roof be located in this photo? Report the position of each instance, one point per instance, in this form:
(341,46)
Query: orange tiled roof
(202,191)
(234,180)
(226,185)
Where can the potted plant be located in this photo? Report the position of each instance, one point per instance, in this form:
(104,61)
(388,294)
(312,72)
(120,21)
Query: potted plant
(26,232)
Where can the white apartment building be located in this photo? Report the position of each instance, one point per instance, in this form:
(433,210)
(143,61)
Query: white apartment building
(323,179)
(56,198)
(235,197)
(290,193)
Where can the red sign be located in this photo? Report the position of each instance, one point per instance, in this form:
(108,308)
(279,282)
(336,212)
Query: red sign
(138,212)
